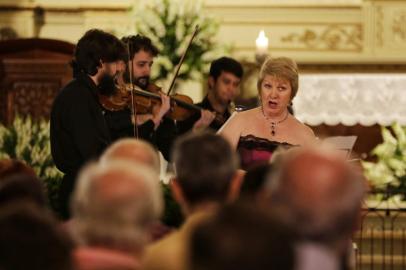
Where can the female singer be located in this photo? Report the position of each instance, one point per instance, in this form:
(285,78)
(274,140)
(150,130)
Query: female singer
(258,132)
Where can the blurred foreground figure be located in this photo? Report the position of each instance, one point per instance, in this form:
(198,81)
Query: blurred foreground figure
(137,151)
(133,150)
(206,178)
(319,194)
(18,182)
(10,167)
(31,239)
(242,237)
(113,206)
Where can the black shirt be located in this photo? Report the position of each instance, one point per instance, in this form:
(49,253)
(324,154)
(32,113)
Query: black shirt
(120,126)
(186,125)
(78,129)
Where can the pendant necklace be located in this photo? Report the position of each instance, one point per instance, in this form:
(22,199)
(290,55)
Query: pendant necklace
(274,124)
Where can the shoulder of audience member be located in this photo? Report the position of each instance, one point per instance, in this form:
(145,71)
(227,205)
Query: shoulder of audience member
(165,254)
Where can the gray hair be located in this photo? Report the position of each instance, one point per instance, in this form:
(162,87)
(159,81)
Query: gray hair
(114,203)
(132,149)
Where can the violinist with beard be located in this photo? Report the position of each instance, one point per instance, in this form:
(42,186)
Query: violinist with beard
(78,131)
(153,127)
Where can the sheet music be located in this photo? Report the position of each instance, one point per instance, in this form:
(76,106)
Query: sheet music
(228,120)
(341,143)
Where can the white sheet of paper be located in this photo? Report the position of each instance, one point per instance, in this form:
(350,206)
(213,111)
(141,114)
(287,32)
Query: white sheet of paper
(341,143)
(228,120)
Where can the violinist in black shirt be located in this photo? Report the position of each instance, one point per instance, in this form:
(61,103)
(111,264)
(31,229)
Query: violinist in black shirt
(79,132)
(223,83)
(153,127)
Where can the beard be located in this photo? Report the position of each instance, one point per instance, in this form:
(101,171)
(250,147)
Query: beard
(107,85)
(142,82)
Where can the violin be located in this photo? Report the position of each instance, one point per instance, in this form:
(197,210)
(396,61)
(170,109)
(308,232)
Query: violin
(142,101)
(182,106)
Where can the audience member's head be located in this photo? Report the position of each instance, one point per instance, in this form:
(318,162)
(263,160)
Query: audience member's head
(205,168)
(255,181)
(114,203)
(30,239)
(242,237)
(132,150)
(320,193)
(9,167)
(18,181)
(22,187)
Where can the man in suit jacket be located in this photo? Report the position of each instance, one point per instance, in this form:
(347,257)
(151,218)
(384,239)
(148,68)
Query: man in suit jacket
(203,183)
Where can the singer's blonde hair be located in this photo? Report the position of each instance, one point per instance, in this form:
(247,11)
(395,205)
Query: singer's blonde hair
(282,67)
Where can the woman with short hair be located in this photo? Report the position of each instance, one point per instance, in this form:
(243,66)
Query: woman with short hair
(258,132)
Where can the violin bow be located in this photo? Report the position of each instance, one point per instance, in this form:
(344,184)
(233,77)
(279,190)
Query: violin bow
(182,59)
(133,107)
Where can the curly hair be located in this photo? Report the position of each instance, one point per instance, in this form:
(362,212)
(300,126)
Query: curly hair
(94,47)
(138,43)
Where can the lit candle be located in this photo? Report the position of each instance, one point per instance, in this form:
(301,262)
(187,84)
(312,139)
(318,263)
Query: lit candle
(262,43)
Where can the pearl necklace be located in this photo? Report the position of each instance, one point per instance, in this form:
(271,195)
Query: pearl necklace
(274,124)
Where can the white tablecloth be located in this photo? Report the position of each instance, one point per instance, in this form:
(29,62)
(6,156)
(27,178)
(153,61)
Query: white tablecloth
(351,99)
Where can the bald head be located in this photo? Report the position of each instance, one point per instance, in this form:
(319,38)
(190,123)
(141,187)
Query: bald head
(108,190)
(133,150)
(321,192)
(315,178)
(114,203)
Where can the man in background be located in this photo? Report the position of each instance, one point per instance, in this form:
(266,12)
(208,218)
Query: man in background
(223,86)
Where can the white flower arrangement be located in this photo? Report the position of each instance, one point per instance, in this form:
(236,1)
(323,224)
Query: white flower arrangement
(169,24)
(28,141)
(388,173)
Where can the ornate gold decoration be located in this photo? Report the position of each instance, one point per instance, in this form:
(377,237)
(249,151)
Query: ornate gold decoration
(335,37)
(399,25)
(379,26)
